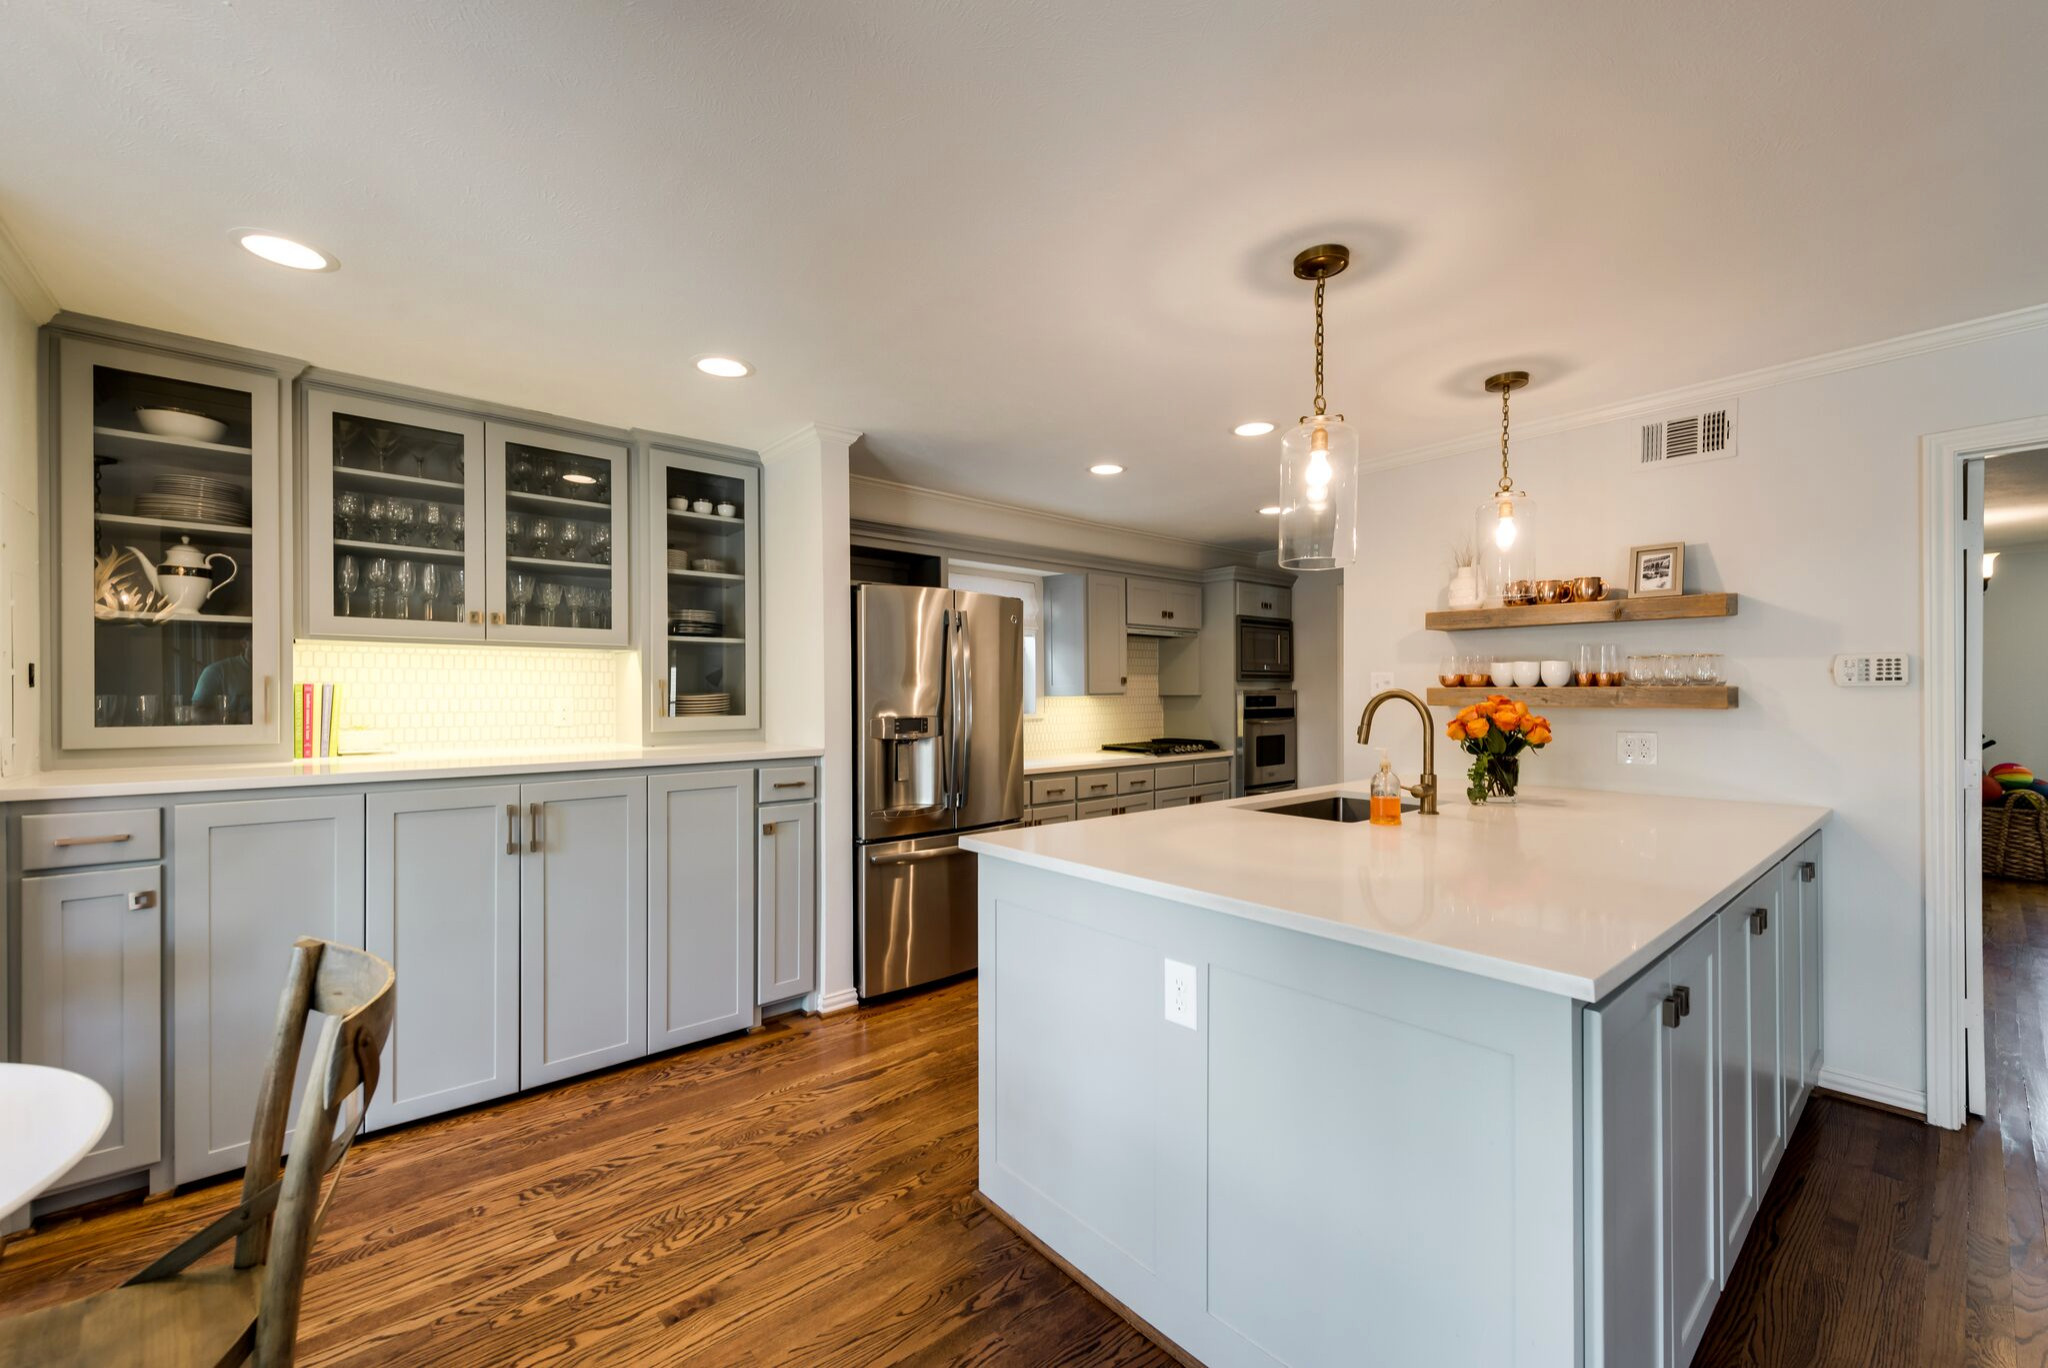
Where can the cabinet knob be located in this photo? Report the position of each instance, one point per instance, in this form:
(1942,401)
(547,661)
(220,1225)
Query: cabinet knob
(1759,920)
(768,828)
(476,615)
(497,619)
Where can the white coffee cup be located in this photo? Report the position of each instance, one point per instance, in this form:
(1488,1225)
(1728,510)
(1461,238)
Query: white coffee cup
(1556,673)
(1527,674)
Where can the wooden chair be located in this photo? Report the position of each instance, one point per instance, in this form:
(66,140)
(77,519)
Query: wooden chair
(166,1317)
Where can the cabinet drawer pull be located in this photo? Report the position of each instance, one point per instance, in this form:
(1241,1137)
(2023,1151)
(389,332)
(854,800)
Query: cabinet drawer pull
(1684,996)
(497,619)
(476,616)
(111,838)
(1759,920)
(511,828)
(1806,871)
(142,900)
(789,783)
(533,823)
(1671,1012)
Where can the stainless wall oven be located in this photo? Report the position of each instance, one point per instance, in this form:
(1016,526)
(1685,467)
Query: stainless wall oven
(1265,649)
(1265,741)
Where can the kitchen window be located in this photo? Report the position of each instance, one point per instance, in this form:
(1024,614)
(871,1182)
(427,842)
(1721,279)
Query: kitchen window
(1016,584)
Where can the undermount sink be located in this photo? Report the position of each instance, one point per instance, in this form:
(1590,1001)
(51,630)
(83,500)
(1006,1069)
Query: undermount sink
(1333,807)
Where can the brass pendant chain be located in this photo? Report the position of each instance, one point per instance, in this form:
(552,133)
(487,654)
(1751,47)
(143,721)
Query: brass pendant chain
(1507,486)
(1319,346)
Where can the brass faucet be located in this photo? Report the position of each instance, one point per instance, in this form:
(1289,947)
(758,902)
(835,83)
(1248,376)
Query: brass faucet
(1424,788)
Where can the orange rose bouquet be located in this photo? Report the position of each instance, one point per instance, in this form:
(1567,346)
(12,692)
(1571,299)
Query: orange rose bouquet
(1495,734)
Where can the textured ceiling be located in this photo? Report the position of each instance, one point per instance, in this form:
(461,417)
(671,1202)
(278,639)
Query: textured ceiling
(1009,239)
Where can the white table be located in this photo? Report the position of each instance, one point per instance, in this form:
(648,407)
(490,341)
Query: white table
(49,1118)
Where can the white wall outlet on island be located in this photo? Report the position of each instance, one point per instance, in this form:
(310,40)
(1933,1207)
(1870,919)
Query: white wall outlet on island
(1635,748)
(1180,994)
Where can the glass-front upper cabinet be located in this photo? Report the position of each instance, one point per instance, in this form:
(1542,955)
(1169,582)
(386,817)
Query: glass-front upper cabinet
(703,630)
(558,562)
(169,611)
(395,517)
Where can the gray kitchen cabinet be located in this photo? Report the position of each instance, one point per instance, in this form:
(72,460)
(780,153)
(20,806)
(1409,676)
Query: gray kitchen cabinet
(1152,605)
(1739,1171)
(249,878)
(1765,949)
(545,487)
(1087,641)
(1692,1224)
(787,925)
(700,634)
(442,905)
(700,914)
(582,927)
(1264,600)
(91,1000)
(1806,864)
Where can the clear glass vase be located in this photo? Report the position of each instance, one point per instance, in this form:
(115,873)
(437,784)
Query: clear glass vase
(1493,779)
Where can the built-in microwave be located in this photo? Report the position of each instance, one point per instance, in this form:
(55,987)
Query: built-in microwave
(1265,648)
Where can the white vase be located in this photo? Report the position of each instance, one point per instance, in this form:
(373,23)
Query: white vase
(1464,592)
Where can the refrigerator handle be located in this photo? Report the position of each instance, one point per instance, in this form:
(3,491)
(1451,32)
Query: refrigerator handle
(950,712)
(965,735)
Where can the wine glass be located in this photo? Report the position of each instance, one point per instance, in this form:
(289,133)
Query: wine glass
(351,576)
(550,599)
(458,592)
(521,585)
(419,460)
(377,515)
(576,596)
(430,589)
(345,432)
(570,538)
(543,531)
(405,521)
(436,519)
(545,474)
(383,446)
(407,573)
(457,527)
(515,533)
(601,543)
(348,510)
(378,577)
(522,473)
(604,608)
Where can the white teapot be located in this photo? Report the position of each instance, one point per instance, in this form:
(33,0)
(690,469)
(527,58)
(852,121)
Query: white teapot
(185,579)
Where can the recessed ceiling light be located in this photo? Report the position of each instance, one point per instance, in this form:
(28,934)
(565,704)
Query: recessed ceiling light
(283,251)
(1252,429)
(1106,468)
(724,367)
(1271,510)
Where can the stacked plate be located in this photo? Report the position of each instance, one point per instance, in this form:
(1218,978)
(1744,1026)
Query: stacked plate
(181,497)
(695,622)
(700,705)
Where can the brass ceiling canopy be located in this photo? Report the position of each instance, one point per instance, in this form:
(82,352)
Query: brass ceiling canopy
(1320,263)
(1505,381)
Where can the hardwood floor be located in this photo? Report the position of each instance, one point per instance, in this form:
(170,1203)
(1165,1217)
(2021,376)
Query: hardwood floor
(805,1196)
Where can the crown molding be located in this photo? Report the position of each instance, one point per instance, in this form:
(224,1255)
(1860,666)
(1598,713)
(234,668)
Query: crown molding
(815,433)
(1764,377)
(23,282)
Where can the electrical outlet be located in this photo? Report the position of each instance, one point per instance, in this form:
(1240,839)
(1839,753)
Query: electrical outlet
(561,712)
(1382,680)
(1180,994)
(1635,748)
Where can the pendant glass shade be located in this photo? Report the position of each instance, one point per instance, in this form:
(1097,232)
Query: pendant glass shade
(1504,534)
(1318,494)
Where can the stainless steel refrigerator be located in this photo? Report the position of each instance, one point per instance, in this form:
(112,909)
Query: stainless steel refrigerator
(939,721)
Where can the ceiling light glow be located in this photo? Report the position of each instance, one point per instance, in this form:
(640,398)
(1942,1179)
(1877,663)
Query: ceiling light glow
(1106,468)
(1252,429)
(283,251)
(724,367)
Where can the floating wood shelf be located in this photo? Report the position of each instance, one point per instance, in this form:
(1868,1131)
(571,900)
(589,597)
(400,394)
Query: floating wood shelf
(1706,697)
(1606,610)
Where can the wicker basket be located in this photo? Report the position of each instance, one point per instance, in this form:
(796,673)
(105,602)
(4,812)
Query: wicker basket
(2016,838)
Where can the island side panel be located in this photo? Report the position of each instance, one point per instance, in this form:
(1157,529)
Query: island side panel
(1352,1157)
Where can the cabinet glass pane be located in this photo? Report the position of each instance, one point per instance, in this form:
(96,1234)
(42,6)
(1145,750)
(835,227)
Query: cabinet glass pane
(172,625)
(558,539)
(705,613)
(401,520)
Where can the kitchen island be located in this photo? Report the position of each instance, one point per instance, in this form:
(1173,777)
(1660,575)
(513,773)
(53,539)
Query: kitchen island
(1501,1086)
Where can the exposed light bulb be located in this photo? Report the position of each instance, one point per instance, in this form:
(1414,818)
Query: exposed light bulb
(1505,531)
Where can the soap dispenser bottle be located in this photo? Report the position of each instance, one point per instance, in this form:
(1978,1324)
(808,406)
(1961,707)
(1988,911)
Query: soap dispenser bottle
(1386,795)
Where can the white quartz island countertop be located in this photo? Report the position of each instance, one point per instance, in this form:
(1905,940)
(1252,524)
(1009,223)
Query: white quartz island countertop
(1568,891)
(368,769)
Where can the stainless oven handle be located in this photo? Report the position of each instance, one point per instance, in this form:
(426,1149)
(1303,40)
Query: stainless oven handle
(917,856)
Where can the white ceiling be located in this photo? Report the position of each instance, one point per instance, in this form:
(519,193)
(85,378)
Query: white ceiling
(2016,500)
(1007,240)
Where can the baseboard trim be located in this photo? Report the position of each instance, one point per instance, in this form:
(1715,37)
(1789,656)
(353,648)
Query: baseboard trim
(838,1000)
(1889,1095)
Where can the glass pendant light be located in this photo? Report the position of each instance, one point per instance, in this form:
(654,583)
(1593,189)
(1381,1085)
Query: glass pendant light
(1503,531)
(1319,457)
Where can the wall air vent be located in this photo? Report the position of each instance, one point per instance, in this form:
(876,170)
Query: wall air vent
(1689,438)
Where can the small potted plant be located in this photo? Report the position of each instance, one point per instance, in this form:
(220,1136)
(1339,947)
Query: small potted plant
(1495,734)
(1464,589)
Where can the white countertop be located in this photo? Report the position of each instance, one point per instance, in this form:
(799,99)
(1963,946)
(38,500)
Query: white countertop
(1100,759)
(1568,891)
(371,769)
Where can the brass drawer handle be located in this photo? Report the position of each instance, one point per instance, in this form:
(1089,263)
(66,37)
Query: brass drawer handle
(111,838)
(790,783)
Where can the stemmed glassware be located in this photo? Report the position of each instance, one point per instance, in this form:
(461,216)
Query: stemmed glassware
(520,583)
(345,432)
(383,446)
(351,576)
(377,515)
(569,538)
(419,460)
(545,475)
(576,596)
(456,526)
(550,599)
(378,577)
(458,591)
(430,589)
(522,473)
(405,520)
(436,519)
(601,543)
(543,531)
(604,608)
(348,510)
(515,533)
(407,572)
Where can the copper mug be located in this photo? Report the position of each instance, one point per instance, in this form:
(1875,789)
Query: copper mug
(1517,592)
(1589,589)
(1553,591)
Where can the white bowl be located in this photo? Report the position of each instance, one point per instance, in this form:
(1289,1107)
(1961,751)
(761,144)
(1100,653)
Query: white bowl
(171,422)
(1528,673)
(679,505)
(1556,673)
(1503,672)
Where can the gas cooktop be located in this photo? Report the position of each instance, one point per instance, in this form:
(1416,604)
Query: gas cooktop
(1164,745)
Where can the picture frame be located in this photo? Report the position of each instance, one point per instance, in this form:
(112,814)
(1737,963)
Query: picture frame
(1656,570)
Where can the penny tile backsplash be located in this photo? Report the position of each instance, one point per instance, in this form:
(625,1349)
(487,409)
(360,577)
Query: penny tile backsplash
(462,698)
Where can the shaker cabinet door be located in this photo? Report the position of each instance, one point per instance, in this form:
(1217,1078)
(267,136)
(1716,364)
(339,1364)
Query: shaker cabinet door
(788,916)
(91,1000)
(1692,1226)
(1625,1061)
(1806,865)
(582,927)
(700,555)
(1760,907)
(249,879)
(1735,1153)
(700,909)
(557,554)
(442,905)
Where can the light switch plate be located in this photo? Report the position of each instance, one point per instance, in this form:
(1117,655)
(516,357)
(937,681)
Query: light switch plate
(1180,994)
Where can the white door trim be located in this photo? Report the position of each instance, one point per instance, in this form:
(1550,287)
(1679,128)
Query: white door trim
(1946,861)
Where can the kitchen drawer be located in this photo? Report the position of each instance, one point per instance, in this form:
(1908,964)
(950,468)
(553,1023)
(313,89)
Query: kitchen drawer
(1264,601)
(1055,789)
(1048,814)
(1098,785)
(1173,776)
(1096,807)
(1212,772)
(1178,798)
(64,840)
(1133,781)
(788,784)
(1209,793)
(1132,802)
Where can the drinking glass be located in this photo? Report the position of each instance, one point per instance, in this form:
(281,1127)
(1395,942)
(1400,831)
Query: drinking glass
(1674,669)
(550,599)
(377,515)
(350,576)
(457,528)
(1587,672)
(1478,672)
(545,475)
(183,714)
(223,708)
(576,596)
(1609,673)
(570,538)
(106,710)
(348,510)
(1643,669)
(1450,672)
(604,608)
(405,522)
(435,518)
(407,574)
(522,473)
(149,710)
(543,531)
(430,589)
(521,586)
(458,592)
(515,533)
(378,576)
(1706,668)
(601,543)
